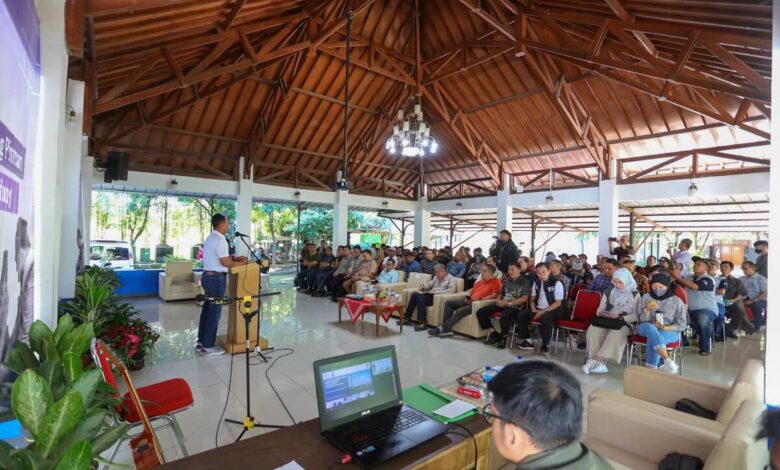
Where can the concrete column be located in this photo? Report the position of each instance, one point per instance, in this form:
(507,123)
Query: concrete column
(608,212)
(504,205)
(48,157)
(87,164)
(243,210)
(422,223)
(772,382)
(340,217)
(70,184)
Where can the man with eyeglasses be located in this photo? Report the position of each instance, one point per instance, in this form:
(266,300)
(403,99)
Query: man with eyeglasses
(455,310)
(525,396)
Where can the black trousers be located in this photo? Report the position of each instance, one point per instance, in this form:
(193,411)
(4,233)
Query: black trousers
(505,322)
(418,301)
(337,286)
(547,323)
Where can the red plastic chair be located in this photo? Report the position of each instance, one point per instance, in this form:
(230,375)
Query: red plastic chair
(160,400)
(575,289)
(585,307)
(641,342)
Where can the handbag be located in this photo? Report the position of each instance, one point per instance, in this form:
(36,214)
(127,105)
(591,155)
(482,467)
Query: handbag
(675,461)
(686,405)
(609,323)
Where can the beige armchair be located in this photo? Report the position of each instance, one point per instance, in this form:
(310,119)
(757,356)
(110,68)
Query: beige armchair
(435,311)
(656,389)
(638,439)
(396,286)
(469,325)
(179,282)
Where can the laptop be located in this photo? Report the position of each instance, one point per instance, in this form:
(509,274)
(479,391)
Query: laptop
(361,408)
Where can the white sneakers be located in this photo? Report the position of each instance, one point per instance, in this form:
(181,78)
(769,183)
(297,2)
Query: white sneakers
(670,366)
(594,367)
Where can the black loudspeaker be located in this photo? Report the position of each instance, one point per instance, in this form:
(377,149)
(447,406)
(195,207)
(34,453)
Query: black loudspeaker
(116,166)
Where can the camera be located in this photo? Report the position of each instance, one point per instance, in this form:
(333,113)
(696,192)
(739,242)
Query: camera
(612,239)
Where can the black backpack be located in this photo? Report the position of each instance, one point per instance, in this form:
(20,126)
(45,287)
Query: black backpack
(675,461)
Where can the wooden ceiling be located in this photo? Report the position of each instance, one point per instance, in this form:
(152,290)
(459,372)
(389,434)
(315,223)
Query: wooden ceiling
(510,86)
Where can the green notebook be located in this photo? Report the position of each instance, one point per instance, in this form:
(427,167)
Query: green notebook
(427,398)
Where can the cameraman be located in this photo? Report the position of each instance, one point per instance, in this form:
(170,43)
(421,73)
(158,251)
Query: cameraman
(622,249)
(505,251)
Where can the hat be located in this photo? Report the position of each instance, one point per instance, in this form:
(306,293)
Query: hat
(577,265)
(696,259)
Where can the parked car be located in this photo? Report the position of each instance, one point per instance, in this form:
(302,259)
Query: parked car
(114,254)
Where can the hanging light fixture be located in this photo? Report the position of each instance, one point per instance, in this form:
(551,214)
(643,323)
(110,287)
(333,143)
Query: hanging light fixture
(411,134)
(549,199)
(342,182)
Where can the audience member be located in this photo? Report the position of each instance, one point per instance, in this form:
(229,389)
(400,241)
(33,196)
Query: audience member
(733,292)
(620,247)
(642,284)
(411,265)
(491,261)
(607,339)
(456,309)
(342,270)
(604,279)
(388,275)
(762,250)
(755,293)
(441,283)
(428,263)
(770,430)
(556,271)
(511,300)
(505,251)
(311,261)
(547,304)
(536,418)
(365,271)
(720,322)
(317,279)
(457,267)
(650,265)
(391,255)
(702,305)
(662,318)
(524,263)
(682,256)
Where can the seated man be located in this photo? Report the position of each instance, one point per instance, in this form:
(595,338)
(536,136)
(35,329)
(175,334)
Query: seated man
(428,262)
(547,306)
(604,279)
(733,292)
(441,283)
(411,265)
(310,262)
(702,305)
(511,300)
(457,267)
(556,271)
(349,262)
(454,310)
(388,275)
(536,418)
(390,256)
(365,271)
(756,291)
(318,278)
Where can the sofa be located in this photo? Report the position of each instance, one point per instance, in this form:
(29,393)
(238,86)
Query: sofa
(638,439)
(434,311)
(396,286)
(179,282)
(469,325)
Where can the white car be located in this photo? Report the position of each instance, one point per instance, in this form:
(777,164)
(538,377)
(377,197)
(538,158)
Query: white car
(113,254)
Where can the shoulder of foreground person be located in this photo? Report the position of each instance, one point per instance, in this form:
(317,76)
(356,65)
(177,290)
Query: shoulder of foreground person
(575,456)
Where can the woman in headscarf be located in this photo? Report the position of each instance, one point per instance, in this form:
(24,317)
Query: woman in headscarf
(662,316)
(618,302)
(475,269)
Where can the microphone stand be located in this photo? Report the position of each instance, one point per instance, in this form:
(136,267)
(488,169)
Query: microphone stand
(249,420)
(259,300)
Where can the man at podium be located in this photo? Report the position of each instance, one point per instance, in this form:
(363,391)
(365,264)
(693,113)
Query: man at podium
(216,262)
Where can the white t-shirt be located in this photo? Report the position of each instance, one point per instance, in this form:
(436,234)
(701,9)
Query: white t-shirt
(541,300)
(214,248)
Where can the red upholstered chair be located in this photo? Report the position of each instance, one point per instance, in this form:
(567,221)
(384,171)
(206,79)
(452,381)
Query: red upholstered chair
(161,400)
(585,307)
(575,289)
(749,314)
(636,343)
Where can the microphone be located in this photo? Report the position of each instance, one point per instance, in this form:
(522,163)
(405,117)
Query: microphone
(240,235)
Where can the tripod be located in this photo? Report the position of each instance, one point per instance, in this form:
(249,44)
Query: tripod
(249,420)
(259,301)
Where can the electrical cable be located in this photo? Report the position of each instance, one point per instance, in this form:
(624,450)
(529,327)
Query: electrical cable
(224,408)
(289,351)
(473,439)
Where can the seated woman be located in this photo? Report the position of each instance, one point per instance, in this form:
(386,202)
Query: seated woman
(662,317)
(618,302)
(475,269)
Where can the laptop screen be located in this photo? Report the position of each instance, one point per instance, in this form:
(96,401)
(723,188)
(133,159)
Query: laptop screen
(355,385)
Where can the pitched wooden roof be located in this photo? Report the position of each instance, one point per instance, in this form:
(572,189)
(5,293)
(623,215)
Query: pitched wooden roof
(510,86)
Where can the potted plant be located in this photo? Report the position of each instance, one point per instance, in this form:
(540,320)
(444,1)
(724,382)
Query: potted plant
(65,408)
(132,342)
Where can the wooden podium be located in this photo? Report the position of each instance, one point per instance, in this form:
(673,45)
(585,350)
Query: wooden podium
(242,280)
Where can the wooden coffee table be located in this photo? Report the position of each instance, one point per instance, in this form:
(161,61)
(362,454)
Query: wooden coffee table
(377,309)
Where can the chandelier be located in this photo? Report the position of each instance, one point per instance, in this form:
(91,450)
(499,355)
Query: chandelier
(411,134)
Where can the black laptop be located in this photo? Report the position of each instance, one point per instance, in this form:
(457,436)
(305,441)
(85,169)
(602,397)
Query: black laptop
(361,408)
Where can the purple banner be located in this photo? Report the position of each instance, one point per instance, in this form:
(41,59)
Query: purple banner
(12,152)
(9,194)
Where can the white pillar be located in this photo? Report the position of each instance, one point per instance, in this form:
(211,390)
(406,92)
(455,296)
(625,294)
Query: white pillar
(340,218)
(608,212)
(87,168)
(69,182)
(504,205)
(422,223)
(51,121)
(243,210)
(772,382)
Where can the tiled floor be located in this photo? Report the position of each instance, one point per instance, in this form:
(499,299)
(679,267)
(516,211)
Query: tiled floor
(309,326)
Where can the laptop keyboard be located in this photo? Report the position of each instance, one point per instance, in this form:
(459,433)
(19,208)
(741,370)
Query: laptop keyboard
(378,430)
(406,419)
